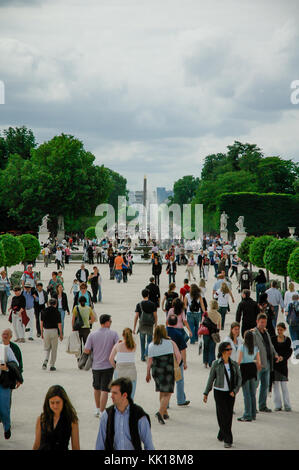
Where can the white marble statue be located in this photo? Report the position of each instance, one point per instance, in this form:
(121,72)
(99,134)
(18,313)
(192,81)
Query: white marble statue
(240,224)
(223,221)
(44,225)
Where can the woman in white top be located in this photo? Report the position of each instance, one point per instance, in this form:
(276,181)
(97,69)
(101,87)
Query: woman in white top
(122,359)
(288,296)
(234,339)
(222,297)
(190,268)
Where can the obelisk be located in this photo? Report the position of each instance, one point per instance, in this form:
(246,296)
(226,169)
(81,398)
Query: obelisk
(144,190)
(144,221)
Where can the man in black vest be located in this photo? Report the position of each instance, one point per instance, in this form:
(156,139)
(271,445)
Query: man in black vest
(124,425)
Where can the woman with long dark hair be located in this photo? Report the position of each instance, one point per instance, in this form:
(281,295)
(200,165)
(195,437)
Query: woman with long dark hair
(179,310)
(226,377)
(195,307)
(58,423)
(249,361)
(260,283)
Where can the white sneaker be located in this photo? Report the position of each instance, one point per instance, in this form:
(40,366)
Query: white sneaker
(97,413)
(101,414)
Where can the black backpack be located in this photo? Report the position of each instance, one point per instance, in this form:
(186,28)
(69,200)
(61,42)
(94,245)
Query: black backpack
(194,306)
(169,301)
(146,319)
(245,275)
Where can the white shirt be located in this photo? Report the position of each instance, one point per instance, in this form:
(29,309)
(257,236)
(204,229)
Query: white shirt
(226,387)
(222,298)
(41,298)
(288,298)
(83,275)
(58,255)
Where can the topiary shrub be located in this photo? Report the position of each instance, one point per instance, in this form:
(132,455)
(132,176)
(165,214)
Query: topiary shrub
(90,233)
(13,249)
(277,255)
(257,250)
(293,265)
(243,251)
(31,246)
(2,256)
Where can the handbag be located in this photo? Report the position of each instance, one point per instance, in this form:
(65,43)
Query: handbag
(78,323)
(203,330)
(177,370)
(73,343)
(215,337)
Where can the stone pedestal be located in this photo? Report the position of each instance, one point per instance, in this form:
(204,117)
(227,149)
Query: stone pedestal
(224,235)
(240,237)
(43,237)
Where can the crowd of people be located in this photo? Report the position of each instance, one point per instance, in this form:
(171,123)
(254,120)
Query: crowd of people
(255,353)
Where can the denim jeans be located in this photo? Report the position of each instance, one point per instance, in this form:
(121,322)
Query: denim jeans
(193,319)
(208,350)
(274,321)
(3,301)
(294,333)
(216,269)
(62,314)
(5,396)
(118,275)
(100,293)
(180,393)
(249,394)
(144,350)
(260,288)
(222,311)
(171,277)
(263,378)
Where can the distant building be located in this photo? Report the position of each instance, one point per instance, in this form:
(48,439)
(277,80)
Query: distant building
(162,195)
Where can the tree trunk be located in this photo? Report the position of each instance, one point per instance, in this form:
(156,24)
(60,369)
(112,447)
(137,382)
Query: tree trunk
(267,274)
(285,283)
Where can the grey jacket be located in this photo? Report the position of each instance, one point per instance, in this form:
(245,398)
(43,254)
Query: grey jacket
(217,376)
(259,342)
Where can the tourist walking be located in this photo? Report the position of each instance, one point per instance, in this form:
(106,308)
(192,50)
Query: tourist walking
(124,425)
(4,291)
(83,292)
(288,296)
(53,283)
(75,287)
(171,270)
(154,292)
(293,322)
(178,310)
(17,309)
(205,265)
(212,321)
(160,364)
(190,268)
(6,340)
(226,377)
(249,361)
(174,333)
(199,262)
(95,282)
(62,304)
(58,423)
(29,277)
(245,279)
(169,297)
(50,324)
(184,290)
(268,309)
(247,312)
(40,303)
(58,258)
(122,359)
(10,378)
(282,345)
(100,344)
(118,267)
(194,307)
(235,264)
(234,339)
(146,313)
(88,318)
(275,299)
(260,283)
(222,297)
(156,270)
(46,254)
(267,354)
(82,274)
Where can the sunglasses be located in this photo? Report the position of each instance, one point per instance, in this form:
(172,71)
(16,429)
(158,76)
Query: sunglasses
(228,349)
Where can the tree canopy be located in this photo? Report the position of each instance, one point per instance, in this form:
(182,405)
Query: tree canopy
(18,140)
(14,251)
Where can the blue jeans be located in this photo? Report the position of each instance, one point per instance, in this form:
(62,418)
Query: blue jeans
(249,392)
(62,314)
(260,288)
(193,319)
(118,275)
(222,311)
(100,293)
(208,350)
(180,393)
(5,396)
(144,350)
(294,333)
(274,321)
(171,277)
(216,269)
(263,378)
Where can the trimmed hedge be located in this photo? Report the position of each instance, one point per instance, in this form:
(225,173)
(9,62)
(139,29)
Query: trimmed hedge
(263,212)
(13,249)
(31,246)
(277,255)
(243,251)
(2,256)
(293,265)
(257,250)
(90,233)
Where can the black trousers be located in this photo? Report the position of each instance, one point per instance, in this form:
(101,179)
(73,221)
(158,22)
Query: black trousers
(95,289)
(157,279)
(83,334)
(224,410)
(234,271)
(37,309)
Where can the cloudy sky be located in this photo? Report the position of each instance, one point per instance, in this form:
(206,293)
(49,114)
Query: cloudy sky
(153,86)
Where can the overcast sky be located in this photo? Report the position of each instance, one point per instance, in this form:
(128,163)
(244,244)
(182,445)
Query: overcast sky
(153,86)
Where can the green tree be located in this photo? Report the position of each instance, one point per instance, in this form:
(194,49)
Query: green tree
(16,140)
(13,249)
(277,175)
(244,248)
(257,250)
(31,246)
(60,178)
(277,255)
(239,155)
(184,190)
(90,233)
(2,256)
(213,165)
(293,265)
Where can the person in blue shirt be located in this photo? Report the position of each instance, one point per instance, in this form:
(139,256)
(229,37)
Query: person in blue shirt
(27,293)
(124,425)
